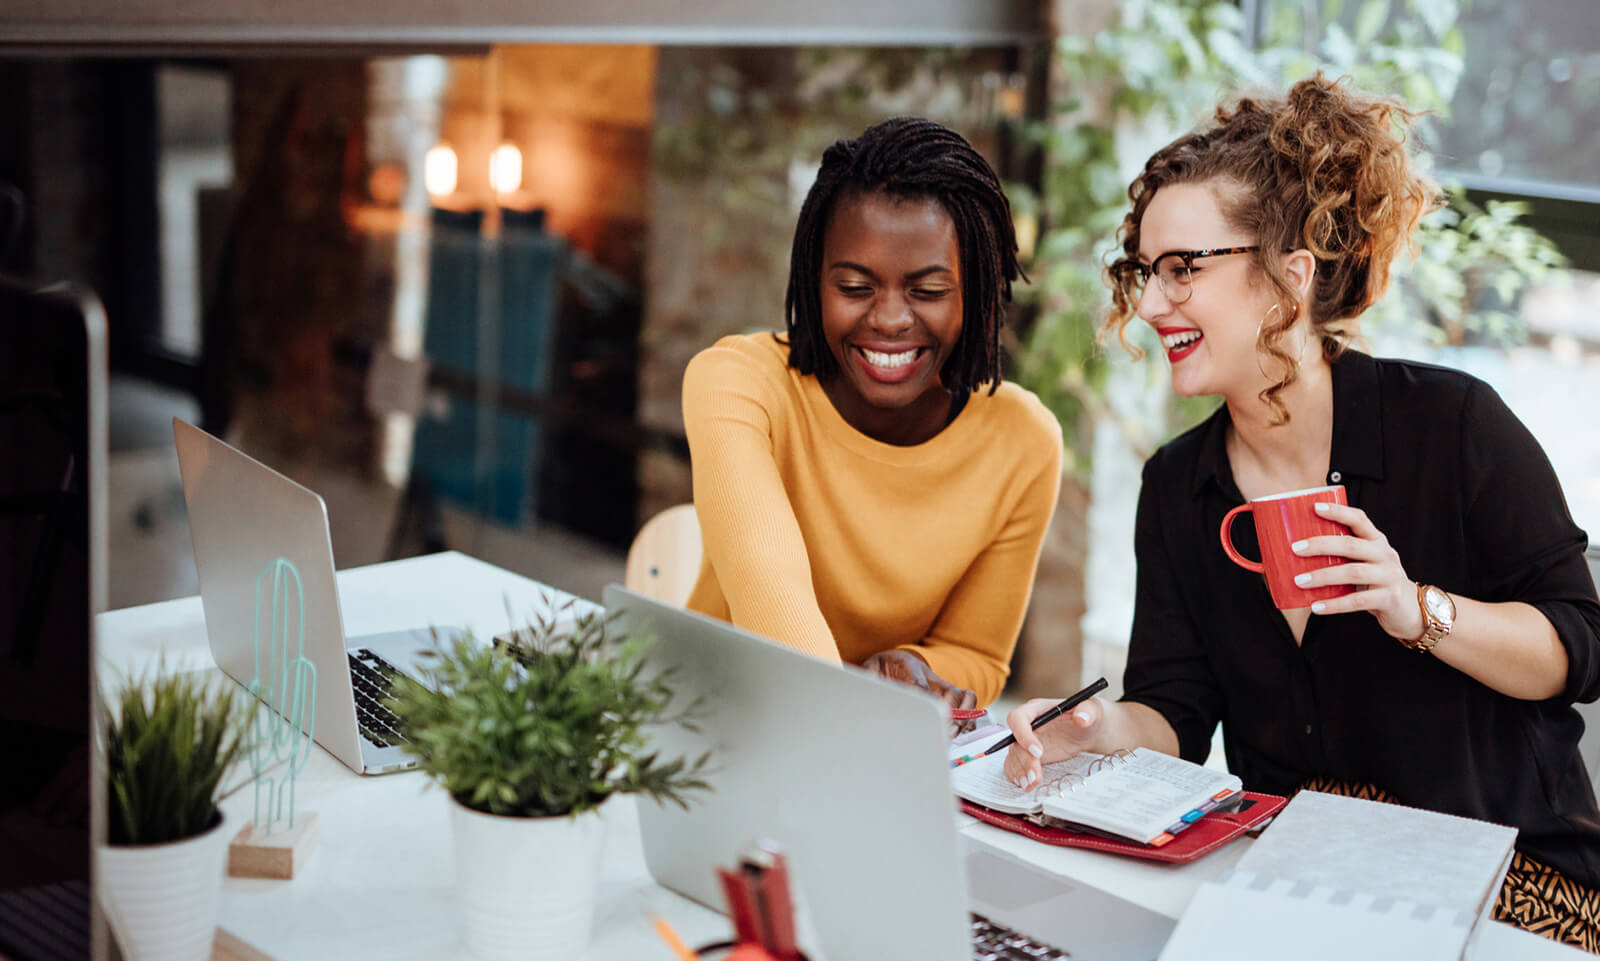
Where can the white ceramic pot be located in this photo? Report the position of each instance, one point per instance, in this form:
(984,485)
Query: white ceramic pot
(528,885)
(161,899)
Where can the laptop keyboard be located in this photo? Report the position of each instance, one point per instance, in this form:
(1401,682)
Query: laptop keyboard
(369,675)
(991,942)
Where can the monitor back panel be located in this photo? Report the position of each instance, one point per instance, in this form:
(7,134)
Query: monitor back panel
(52,582)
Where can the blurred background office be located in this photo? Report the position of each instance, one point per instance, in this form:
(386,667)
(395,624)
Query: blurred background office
(448,275)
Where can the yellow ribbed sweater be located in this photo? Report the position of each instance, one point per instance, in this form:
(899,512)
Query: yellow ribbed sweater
(842,546)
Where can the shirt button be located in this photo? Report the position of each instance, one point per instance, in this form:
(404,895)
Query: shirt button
(1335,477)
(1308,729)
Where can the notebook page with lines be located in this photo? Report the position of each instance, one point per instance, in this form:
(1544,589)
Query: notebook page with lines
(1141,795)
(984,782)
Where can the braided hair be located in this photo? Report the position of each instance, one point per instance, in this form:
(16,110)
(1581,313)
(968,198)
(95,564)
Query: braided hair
(909,158)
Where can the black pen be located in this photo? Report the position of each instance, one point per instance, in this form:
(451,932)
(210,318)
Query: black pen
(1050,715)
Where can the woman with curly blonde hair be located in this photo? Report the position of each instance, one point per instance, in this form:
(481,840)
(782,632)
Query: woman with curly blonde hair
(1445,678)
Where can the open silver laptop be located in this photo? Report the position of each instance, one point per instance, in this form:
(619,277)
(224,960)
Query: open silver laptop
(244,515)
(850,774)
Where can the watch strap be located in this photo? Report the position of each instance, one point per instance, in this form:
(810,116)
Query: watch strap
(1433,629)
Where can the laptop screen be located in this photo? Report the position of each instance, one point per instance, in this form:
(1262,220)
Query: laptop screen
(52,557)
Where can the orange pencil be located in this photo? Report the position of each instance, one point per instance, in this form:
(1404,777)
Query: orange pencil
(673,941)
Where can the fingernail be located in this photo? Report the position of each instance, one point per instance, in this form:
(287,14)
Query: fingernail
(1321,507)
(1302,579)
(1317,607)
(1298,546)
(1035,750)
(1083,717)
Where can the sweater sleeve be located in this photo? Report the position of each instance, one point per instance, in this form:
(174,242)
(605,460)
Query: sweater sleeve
(747,524)
(971,642)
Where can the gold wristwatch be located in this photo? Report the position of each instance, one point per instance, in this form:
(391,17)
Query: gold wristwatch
(1438,616)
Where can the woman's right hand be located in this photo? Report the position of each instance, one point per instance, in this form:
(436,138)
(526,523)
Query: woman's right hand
(1058,740)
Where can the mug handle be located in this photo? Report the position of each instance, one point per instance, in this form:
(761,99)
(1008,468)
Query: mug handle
(1227,541)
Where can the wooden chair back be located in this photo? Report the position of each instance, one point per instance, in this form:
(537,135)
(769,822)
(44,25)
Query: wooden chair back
(664,560)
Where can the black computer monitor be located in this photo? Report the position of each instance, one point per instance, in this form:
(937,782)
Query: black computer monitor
(52,581)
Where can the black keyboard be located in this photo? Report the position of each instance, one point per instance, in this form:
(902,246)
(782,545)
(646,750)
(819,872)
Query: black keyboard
(369,675)
(991,942)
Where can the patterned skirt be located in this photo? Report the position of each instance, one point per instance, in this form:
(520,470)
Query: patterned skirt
(1535,897)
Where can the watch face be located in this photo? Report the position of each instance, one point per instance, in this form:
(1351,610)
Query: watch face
(1439,605)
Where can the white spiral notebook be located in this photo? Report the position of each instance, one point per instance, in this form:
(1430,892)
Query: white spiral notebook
(1336,878)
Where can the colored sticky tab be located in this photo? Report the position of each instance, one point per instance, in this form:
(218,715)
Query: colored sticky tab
(1194,816)
(1222,794)
(1159,840)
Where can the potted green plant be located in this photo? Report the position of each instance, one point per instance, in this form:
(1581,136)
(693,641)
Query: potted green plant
(169,740)
(530,738)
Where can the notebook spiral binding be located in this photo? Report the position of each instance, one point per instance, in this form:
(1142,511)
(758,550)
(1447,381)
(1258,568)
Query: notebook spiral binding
(1067,783)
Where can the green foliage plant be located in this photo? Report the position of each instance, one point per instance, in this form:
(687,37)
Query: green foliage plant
(168,744)
(1472,262)
(1159,67)
(552,723)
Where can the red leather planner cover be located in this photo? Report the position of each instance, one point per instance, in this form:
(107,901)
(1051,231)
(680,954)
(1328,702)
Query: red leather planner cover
(1199,839)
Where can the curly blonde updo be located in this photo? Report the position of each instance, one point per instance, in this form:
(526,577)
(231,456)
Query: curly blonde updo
(1325,169)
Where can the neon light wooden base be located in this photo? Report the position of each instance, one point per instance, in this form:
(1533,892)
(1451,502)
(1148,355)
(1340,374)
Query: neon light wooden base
(275,856)
(230,947)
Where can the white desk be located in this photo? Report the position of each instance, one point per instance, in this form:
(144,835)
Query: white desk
(381,883)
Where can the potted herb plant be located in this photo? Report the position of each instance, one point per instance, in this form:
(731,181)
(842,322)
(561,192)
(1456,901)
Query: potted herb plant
(530,738)
(168,743)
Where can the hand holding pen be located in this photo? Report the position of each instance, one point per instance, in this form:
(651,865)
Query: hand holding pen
(1068,736)
(1034,719)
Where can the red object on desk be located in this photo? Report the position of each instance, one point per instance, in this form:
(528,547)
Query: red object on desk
(759,902)
(1199,839)
(741,906)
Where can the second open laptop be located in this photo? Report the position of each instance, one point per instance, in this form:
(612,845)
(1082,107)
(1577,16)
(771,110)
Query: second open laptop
(850,775)
(243,515)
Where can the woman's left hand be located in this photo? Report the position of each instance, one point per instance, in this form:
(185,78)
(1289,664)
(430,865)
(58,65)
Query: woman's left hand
(1374,568)
(898,664)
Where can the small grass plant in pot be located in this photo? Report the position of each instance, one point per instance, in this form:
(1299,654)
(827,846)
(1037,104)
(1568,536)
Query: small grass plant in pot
(169,740)
(530,738)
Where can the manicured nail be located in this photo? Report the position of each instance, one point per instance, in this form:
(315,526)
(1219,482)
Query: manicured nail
(1321,506)
(1302,579)
(1035,750)
(1317,607)
(1298,547)
(1083,717)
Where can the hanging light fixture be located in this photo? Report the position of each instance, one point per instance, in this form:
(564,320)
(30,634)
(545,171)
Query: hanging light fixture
(439,169)
(505,169)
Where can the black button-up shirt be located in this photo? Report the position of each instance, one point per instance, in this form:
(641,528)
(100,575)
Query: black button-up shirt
(1467,497)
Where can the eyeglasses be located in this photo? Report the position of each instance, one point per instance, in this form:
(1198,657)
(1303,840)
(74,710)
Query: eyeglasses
(1173,270)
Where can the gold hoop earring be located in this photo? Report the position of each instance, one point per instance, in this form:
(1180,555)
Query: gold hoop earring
(1263,324)
(1293,316)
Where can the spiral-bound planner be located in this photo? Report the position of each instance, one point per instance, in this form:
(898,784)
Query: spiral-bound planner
(1140,795)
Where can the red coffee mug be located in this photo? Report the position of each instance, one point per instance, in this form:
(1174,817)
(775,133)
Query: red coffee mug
(1282,519)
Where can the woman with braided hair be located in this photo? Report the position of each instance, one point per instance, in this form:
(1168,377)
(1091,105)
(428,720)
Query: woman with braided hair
(1445,680)
(869,490)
